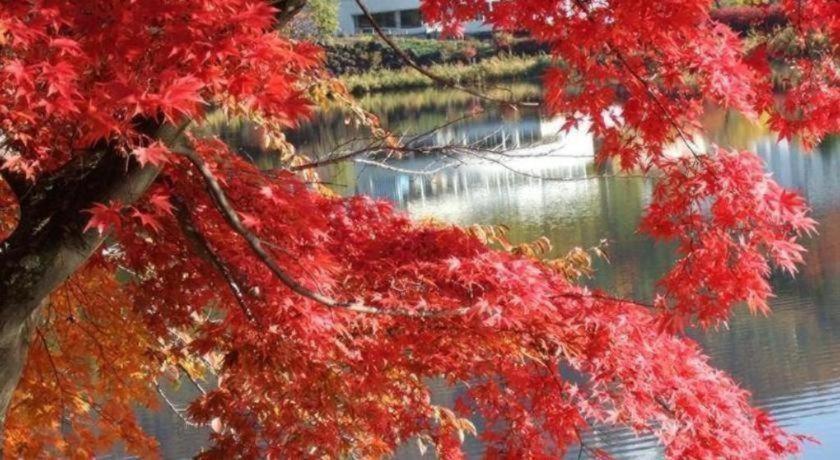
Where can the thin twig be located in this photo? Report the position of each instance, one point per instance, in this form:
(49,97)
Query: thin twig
(337,159)
(415,172)
(563,179)
(447,124)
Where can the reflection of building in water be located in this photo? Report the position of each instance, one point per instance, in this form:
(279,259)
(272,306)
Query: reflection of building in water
(491,134)
(497,133)
(528,151)
(459,186)
(815,174)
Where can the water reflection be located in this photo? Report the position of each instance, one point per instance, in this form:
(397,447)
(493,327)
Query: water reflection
(788,360)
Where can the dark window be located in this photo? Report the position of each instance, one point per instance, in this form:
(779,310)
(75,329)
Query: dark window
(410,19)
(386,20)
(362,22)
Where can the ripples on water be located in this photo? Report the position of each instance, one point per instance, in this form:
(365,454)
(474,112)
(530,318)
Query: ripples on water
(790,360)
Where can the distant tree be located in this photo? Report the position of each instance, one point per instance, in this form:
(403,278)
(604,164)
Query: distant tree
(318,18)
(325,15)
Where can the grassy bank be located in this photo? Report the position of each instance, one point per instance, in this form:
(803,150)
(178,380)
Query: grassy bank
(486,71)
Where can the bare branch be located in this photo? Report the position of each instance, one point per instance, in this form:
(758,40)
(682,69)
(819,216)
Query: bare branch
(416,172)
(562,179)
(337,159)
(607,298)
(449,123)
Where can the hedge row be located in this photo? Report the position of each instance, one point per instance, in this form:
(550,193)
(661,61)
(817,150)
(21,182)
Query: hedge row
(356,56)
(360,55)
(744,19)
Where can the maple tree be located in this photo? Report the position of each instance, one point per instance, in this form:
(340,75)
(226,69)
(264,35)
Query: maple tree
(134,250)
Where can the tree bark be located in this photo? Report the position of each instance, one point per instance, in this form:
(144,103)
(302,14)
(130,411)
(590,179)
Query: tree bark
(49,244)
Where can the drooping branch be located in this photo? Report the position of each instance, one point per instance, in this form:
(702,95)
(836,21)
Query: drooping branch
(192,379)
(230,215)
(202,247)
(173,407)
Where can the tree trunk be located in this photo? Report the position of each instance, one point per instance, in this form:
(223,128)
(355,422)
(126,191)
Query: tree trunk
(14,345)
(49,244)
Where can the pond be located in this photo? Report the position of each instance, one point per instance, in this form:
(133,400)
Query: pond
(790,360)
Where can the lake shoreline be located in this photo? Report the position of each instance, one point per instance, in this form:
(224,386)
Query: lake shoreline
(492,70)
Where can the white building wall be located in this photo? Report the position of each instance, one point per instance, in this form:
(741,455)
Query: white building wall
(348,9)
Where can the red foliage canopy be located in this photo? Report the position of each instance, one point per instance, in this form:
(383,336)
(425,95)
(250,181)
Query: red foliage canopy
(324,318)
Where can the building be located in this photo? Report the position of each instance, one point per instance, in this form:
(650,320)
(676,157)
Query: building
(396,17)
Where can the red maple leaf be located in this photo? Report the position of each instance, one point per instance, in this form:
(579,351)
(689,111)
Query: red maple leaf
(156,154)
(161,203)
(146,220)
(182,96)
(104,217)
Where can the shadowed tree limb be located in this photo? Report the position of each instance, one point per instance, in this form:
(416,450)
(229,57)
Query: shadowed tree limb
(230,215)
(202,247)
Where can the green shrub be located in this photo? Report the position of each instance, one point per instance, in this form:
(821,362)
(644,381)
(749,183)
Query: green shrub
(488,70)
